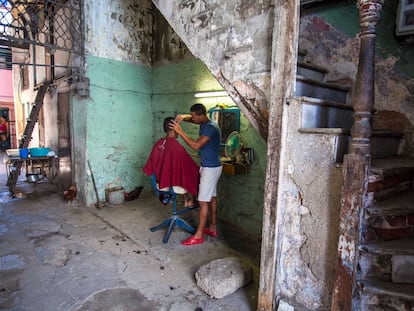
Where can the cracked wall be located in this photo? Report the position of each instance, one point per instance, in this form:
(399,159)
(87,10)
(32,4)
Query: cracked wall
(233,39)
(339,53)
(118,47)
(119,30)
(308,215)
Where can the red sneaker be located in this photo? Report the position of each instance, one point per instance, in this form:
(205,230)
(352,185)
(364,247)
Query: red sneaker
(213,234)
(192,241)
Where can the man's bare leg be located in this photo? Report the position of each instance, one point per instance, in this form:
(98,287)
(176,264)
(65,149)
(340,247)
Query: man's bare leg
(213,214)
(202,219)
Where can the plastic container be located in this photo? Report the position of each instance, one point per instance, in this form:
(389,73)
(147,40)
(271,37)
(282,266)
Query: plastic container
(13,153)
(115,195)
(39,152)
(24,153)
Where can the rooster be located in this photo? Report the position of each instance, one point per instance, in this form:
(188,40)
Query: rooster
(70,194)
(129,196)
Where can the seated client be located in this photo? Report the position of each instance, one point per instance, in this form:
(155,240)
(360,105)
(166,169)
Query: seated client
(172,165)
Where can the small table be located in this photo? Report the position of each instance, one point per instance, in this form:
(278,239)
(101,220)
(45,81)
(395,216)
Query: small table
(45,166)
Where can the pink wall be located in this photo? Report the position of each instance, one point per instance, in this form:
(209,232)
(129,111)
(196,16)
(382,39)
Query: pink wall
(6,86)
(7,101)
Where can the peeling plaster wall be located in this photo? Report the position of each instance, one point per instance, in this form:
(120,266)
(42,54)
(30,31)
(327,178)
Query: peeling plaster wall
(240,197)
(233,38)
(119,124)
(167,46)
(343,16)
(338,53)
(119,30)
(309,202)
(115,123)
(232,29)
(308,216)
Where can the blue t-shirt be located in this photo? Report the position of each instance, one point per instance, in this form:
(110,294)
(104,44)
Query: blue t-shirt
(210,152)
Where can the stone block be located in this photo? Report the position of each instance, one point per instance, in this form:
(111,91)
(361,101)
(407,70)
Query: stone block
(222,277)
(284,306)
(403,269)
(394,234)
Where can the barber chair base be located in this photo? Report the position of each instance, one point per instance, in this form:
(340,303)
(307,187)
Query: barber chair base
(169,195)
(171,223)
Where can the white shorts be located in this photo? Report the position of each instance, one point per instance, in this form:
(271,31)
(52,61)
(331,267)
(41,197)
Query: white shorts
(209,177)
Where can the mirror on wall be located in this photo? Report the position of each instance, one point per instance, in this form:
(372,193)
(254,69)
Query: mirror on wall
(235,157)
(228,119)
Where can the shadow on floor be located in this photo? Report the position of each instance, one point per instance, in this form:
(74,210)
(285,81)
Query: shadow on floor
(70,254)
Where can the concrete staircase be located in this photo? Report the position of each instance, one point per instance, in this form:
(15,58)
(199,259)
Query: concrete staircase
(324,105)
(327,109)
(386,254)
(385,276)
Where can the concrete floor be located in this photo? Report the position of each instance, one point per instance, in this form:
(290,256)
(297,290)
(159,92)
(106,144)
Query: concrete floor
(55,256)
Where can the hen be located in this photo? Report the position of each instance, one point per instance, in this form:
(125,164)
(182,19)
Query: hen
(70,194)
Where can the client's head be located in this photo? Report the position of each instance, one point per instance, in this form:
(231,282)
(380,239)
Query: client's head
(167,122)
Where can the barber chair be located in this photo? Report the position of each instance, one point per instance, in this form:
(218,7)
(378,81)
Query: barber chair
(169,196)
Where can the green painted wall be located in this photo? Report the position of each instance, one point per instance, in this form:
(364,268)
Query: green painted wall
(240,196)
(118,120)
(345,17)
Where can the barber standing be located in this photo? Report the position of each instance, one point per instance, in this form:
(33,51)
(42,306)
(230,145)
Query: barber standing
(208,143)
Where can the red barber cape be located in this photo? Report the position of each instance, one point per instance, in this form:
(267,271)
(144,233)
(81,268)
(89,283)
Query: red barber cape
(172,165)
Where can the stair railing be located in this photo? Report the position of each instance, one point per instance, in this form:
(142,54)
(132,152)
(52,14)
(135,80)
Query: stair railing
(357,162)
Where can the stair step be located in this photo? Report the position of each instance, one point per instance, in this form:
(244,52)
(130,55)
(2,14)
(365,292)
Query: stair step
(385,143)
(390,219)
(321,90)
(394,247)
(391,166)
(311,71)
(319,113)
(397,290)
(323,84)
(312,66)
(401,205)
(390,177)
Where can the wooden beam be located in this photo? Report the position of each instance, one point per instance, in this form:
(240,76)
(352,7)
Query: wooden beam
(283,72)
(356,163)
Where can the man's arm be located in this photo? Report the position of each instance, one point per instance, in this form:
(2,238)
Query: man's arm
(194,144)
(183,117)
